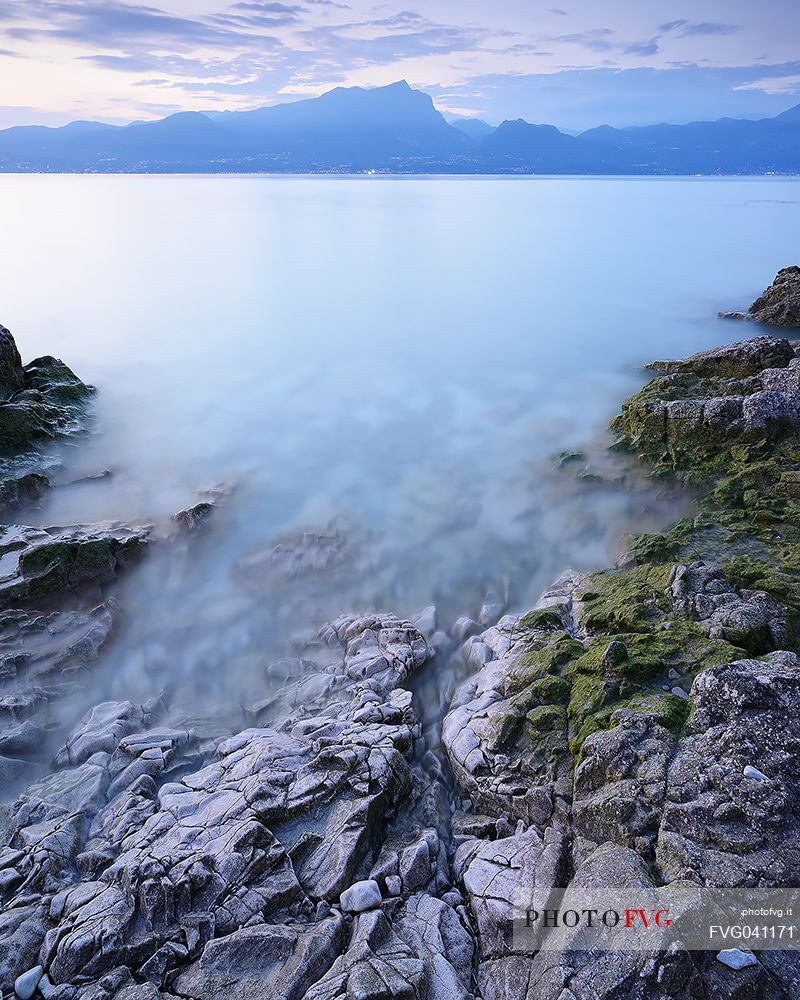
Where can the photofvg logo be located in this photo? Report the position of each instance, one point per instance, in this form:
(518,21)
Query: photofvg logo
(683,914)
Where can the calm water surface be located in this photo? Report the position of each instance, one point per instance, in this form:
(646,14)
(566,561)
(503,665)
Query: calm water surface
(389,363)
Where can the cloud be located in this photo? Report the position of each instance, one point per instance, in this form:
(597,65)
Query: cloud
(111,23)
(709,28)
(777,85)
(646,48)
(596,39)
(257,51)
(698,29)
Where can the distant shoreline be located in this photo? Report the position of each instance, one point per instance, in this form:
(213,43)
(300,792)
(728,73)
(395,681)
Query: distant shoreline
(395,174)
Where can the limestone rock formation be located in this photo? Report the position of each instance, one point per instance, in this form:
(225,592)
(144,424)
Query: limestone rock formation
(780,303)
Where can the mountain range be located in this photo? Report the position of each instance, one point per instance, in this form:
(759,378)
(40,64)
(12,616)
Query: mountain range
(397,129)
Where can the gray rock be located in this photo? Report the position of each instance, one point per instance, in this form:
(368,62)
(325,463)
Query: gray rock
(25,985)
(22,491)
(718,827)
(361,896)
(377,962)
(498,761)
(463,627)
(495,873)
(780,303)
(734,958)
(195,518)
(425,621)
(620,784)
(394,885)
(754,774)
(239,835)
(265,962)
(45,562)
(751,619)
(600,974)
(739,360)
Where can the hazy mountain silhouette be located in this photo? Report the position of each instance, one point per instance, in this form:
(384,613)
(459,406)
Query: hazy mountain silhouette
(727,145)
(544,149)
(398,128)
(475,128)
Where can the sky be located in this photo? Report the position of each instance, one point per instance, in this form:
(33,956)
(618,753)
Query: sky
(589,62)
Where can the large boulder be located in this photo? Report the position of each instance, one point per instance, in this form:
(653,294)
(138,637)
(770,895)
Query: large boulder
(722,824)
(39,400)
(780,303)
(12,375)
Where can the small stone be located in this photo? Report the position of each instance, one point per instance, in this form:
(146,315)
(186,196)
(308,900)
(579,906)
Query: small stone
(754,774)
(361,896)
(674,675)
(25,985)
(394,885)
(680,693)
(735,958)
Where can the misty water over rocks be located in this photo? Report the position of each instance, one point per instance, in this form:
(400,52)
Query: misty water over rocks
(377,375)
(367,399)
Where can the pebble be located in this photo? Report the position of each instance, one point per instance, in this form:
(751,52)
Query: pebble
(754,774)
(735,958)
(25,985)
(361,896)
(680,693)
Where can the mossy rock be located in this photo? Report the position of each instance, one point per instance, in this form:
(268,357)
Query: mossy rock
(549,619)
(50,401)
(551,690)
(546,718)
(670,710)
(626,600)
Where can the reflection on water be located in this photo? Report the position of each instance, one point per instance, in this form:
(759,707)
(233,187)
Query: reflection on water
(378,373)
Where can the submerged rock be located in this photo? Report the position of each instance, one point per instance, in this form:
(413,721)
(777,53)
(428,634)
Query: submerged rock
(22,490)
(44,563)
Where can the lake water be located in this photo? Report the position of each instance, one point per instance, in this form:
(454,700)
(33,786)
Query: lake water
(388,363)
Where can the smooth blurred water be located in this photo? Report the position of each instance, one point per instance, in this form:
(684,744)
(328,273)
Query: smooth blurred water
(391,359)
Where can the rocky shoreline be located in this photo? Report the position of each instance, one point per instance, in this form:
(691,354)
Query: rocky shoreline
(639,727)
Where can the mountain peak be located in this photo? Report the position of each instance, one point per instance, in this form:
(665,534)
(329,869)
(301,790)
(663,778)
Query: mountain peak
(790,115)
